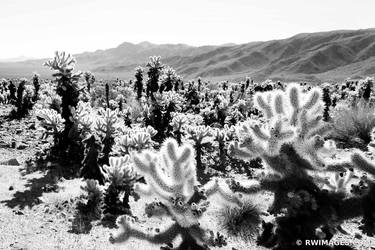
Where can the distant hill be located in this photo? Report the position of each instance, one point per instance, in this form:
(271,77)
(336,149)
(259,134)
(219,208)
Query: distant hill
(322,56)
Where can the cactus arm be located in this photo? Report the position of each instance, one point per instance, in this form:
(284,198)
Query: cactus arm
(264,106)
(313,98)
(361,163)
(217,188)
(259,133)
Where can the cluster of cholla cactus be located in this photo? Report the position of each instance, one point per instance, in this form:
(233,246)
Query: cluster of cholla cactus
(290,144)
(171,178)
(134,139)
(67,87)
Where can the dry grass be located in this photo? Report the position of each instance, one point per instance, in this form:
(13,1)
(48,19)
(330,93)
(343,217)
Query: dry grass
(353,125)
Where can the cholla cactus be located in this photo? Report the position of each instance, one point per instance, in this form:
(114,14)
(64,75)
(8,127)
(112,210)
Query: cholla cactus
(174,187)
(67,88)
(121,177)
(154,70)
(51,120)
(48,98)
(107,95)
(290,143)
(90,79)
(94,196)
(292,124)
(36,84)
(168,79)
(201,138)
(339,182)
(138,85)
(90,166)
(25,94)
(82,117)
(134,139)
(221,138)
(107,127)
(177,123)
(64,64)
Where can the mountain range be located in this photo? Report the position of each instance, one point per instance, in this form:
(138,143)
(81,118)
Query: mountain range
(314,57)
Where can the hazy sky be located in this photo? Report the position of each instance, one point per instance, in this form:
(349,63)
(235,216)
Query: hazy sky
(36,28)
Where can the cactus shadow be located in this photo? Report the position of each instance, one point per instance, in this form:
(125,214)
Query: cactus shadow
(35,188)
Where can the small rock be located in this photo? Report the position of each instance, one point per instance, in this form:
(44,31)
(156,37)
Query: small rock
(32,126)
(13,144)
(358,236)
(39,200)
(11,188)
(13,162)
(18,212)
(22,146)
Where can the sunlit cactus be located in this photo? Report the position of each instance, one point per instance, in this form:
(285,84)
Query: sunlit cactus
(106,126)
(135,139)
(291,144)
(82,117)
(201,137)
(138,85)
(168,79)
(94,196)
(36,83)
(90,80)
(67,87)
(177,123)
(294,118)
(121,178)
(154,71)
(221,138)
(51,121)
(174,188)
(24,100)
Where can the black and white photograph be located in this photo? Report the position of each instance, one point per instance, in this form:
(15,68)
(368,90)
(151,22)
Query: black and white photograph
(187,125)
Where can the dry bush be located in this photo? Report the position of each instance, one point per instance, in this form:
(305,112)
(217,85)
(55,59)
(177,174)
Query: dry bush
(241,221)
(353,124)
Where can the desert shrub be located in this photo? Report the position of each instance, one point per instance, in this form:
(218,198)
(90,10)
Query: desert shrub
(353,125)
(241,221)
